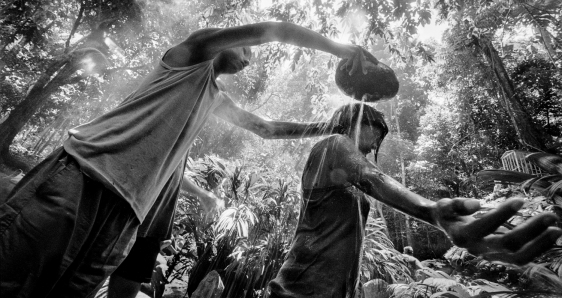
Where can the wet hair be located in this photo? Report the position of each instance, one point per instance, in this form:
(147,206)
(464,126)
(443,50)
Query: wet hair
(345,119)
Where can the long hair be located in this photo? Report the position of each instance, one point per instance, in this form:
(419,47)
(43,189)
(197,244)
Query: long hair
(346,117)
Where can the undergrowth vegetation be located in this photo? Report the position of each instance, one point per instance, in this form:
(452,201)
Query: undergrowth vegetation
(246,243)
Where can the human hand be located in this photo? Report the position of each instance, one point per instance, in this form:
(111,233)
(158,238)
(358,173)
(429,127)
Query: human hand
(165,244)
(167,248)
(356,59)
(486,237)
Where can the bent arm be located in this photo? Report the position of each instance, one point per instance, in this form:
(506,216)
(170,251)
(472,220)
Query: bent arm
(213,42)
(266,129)
(368,178)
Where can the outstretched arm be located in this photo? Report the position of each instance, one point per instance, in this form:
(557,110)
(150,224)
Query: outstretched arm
(483,236)
(205,44)
(266,129)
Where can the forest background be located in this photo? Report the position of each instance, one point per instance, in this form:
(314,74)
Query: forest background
(477,78)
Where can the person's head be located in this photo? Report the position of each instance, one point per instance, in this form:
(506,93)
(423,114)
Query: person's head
(408,250)
(233,60)
(363,124)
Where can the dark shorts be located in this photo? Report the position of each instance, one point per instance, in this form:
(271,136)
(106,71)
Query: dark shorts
(139,264)
(156,227)
(159,221)
(61,233)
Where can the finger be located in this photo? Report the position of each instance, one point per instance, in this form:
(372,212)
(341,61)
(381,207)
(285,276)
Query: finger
(363,61)
(344,65)
(522,234)
(356,64)
(532,249)
(463,206)
(458,206)
(490,221)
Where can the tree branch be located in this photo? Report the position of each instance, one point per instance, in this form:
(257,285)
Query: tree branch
(74,27)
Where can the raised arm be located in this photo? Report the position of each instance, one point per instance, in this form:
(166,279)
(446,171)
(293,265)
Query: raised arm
(266,129)
(483,236)
(215,41)
(205,44)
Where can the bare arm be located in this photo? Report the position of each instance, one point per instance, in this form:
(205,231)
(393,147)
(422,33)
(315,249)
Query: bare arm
(216,41)
(481,236)
(207,199)
(367,177)
(266,129)
(205,44)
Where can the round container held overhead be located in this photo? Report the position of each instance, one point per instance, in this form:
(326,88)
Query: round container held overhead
(379,83)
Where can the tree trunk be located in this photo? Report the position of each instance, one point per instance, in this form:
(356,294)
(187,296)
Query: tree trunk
(407,219)
(36,97)
(526,130)
(62,69)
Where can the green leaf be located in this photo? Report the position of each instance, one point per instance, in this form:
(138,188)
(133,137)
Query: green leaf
(490,287)
(537,183)
(448,294)
(549,162)
(503,176)
(553,189)
(442,283)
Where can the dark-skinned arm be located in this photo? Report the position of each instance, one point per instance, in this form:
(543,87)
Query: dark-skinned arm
(209,201)
(367,177)
(266,129)
(481,236)
(205,44)
(215,41)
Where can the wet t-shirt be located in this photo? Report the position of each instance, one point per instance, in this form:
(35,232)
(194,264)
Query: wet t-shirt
(134,149)
(324,257)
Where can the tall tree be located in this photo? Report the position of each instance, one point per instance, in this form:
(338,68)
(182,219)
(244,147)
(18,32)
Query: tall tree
(57,64)
(481,22)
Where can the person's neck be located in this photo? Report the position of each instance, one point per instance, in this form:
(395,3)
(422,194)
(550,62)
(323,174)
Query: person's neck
(357,145)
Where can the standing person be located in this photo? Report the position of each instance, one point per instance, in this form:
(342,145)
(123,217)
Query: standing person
(324,257)
(73,218)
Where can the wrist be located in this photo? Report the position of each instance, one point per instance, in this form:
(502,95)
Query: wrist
(342,50)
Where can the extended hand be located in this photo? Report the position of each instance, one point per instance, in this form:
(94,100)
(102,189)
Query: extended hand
(356,59)
(485,236)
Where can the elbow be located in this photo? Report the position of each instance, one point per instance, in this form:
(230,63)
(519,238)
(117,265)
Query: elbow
(276,31)
(265,130)
(268,132)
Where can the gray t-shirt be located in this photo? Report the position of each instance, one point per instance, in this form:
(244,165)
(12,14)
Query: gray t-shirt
(134,149)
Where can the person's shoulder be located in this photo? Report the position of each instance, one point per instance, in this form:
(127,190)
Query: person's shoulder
(334,144)
(338,141)
(198,36)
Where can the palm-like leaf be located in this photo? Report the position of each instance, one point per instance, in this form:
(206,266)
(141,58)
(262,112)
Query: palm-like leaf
(235,222)
(548,162)
(380,259)
(503,176)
